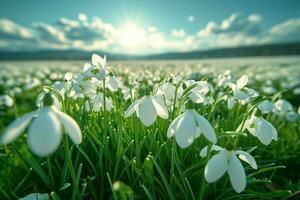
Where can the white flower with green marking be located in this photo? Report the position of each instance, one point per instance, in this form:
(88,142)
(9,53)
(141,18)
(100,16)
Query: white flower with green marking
(189,126)
(147,109)
(45,130)
(227,161)
(97,102)
(262,129)
(97,69)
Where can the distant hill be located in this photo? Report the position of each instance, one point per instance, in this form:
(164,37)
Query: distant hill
(243,51)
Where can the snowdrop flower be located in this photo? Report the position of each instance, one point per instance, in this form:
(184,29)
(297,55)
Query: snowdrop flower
(227,161)
(6,100)
(269,90)
(198,93)
(112,83)
(224,79)
(36,196)
(189,126)
(147,109)
(283,107)
(45,129)
(240,92)
(97,69)
(265,106)
(126,93)
(168,90)
(296,91)
(82,84)
(262,129)
(97,102)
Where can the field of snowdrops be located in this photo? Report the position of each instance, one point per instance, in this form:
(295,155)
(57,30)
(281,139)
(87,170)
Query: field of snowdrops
(199,129)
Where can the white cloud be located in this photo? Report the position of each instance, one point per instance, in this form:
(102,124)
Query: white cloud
(11,30)
(94,34)
(82,17)
(178,33)
(235,23)
(152,29)
(191,18)
(286,31)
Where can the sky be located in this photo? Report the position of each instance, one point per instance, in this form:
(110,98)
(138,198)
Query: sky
(146,26)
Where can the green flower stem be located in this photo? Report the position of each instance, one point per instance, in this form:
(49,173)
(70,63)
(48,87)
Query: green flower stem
(173,139)
(104,110)
(71,168)
(203,183)
(136,140)
(50,171)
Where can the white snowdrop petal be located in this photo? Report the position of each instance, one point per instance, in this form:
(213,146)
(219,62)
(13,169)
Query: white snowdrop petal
(236,174)
(274,132)
(112,83)
(197,97)
(264,131)
(203,152)
(216,167)
(242,81)
(161,109)
(86,66)
(99,61)
(101,74)
(173,127)
(132,108)
(265,106)
(169,91)
(88,70)
(44,134)
(230,102)
(245,156)
(16,128)
(71,127)
(146,111)
(205,128)
(108,104)
(186,129)
(240,95)
(36,196)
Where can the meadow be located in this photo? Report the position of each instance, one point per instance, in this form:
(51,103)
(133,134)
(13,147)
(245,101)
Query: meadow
(188,129)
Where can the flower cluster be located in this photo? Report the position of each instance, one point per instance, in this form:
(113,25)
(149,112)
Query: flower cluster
(190,110)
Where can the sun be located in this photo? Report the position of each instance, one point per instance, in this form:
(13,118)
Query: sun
(131,35)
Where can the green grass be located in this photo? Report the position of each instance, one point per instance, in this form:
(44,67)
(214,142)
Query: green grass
(120,158)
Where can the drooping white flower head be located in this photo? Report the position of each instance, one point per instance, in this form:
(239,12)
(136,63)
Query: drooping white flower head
(227,160)
(237,88)
(283,107)
(224,79)
(97,69)
(189,126)
(262,129)
(6,100)
(266,106)
(126,93)
(199,93)
(97,102)
(83,84)
(36,196)
(45,130)
(241,93)
(168,90)
(112,83)
(147,109)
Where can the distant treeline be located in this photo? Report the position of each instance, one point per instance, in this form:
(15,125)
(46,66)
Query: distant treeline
(244,51)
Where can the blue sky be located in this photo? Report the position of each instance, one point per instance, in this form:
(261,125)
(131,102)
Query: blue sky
(146,26)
